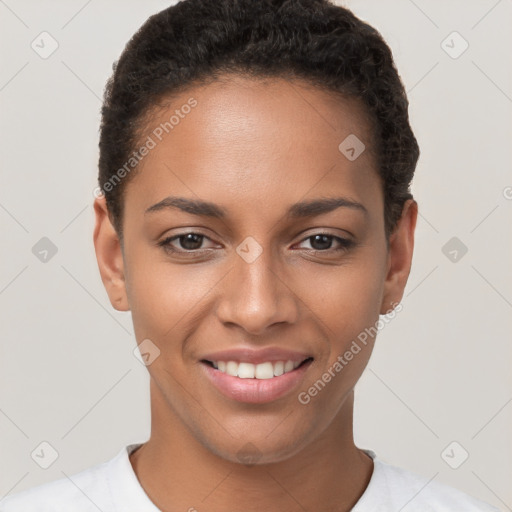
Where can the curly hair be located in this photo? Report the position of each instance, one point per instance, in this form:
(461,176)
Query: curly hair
(197,41)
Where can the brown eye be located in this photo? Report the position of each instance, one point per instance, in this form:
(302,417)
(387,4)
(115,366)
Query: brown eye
(184,242)
(190,241)
(323,242)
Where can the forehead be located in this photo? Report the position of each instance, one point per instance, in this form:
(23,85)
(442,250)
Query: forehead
(247,140)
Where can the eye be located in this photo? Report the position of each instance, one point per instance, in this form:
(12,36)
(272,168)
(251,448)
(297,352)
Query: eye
(322,242)
(189,242)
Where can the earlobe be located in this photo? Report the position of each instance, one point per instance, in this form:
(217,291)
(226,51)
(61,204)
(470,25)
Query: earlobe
(109,256)
(401,247)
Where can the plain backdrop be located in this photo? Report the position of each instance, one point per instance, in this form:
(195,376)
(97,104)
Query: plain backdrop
(437,392)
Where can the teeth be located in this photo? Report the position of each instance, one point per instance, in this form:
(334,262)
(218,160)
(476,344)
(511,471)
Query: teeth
(278,368)
(288,367)
(232,368)
(246,370)
(266,370)
(263,371)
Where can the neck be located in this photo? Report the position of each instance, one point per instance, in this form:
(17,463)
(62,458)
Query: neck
(178,472)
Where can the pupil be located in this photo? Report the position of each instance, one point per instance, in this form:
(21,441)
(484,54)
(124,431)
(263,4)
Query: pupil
(323,238)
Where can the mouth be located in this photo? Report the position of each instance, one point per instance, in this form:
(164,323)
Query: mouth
(255,383)
(262,371)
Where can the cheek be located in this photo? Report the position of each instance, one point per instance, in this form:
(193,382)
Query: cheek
(346,305)
(167,301)
(165,298)
(344,299)
(345,302)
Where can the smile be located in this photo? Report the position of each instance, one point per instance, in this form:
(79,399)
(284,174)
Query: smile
(265,370)
(255,383)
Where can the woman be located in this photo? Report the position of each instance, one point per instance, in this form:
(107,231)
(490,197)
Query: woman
(254,214)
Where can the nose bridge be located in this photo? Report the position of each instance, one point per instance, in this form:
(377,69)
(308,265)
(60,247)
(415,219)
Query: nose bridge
(255,297)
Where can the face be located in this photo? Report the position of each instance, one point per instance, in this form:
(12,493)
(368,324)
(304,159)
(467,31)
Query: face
(251,238)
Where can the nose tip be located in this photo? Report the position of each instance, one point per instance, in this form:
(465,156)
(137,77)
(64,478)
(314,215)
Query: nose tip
(256,298)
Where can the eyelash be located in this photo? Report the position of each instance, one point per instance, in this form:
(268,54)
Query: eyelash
(345,244)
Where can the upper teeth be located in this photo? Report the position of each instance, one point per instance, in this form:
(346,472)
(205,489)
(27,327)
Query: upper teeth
(265,370)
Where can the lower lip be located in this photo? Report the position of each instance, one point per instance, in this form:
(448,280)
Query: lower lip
(255,391)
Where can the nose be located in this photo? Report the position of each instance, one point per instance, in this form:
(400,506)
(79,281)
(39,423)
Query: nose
(257,296)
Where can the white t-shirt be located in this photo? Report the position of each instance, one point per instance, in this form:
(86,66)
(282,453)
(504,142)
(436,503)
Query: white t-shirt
(113,487)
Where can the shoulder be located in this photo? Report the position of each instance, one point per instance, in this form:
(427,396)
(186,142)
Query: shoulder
(82,492)
(394,488)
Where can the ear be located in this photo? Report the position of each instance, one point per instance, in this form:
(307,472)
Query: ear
(109,256)
(401,246)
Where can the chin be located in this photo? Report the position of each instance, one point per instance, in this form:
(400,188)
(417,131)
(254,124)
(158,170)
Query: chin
(269,449)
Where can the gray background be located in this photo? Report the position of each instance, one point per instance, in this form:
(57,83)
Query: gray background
(441,369)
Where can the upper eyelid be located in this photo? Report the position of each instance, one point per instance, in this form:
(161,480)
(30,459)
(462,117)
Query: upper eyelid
(167,240)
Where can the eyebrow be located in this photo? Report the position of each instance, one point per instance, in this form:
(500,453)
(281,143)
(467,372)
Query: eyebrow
(309,208)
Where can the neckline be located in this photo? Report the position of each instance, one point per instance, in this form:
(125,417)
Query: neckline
(128,491)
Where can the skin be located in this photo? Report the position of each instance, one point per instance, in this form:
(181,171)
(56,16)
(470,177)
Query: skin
(250,143)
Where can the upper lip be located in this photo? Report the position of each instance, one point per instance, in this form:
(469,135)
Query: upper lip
(247,355)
